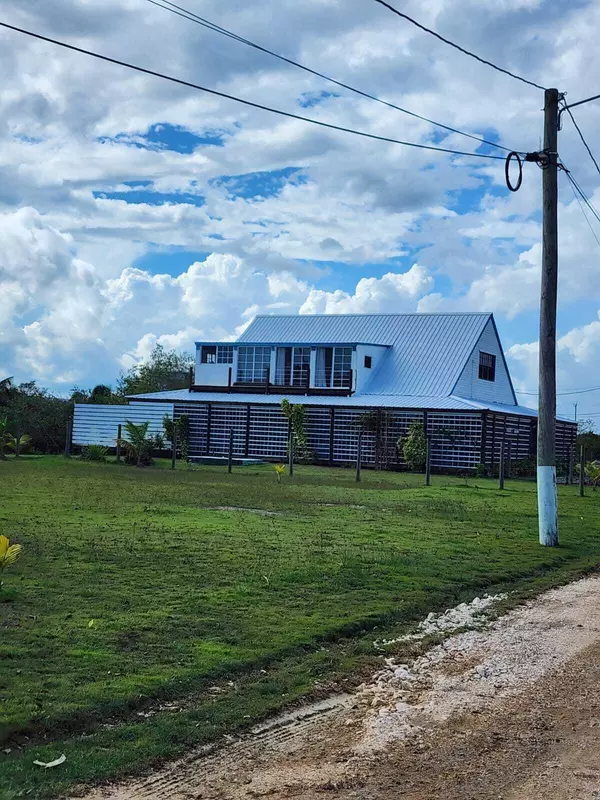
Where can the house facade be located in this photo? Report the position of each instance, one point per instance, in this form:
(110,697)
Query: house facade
(378,372)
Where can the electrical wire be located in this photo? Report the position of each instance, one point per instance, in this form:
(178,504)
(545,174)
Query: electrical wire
(581,193)
(250,103)
(458,47)
(581,136)
(576,196)
(563,394)
(180,11)
(581,102)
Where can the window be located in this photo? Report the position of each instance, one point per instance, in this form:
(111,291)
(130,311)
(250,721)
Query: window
(225,354)
(342,366)
(253,363)
(301,366)
(487,367)
(368,362)
(209,354)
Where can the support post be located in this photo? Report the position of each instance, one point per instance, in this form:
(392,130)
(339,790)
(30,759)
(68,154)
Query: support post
(118,448)
(267,379)
(291,450)
(428,462)
(174,446)
(571,465)
(546,455)
(191,378)
(359,457)
(501,468)
(508,458)
(230,451)
(68,437)
(582,471)
(229,379)
(18,441)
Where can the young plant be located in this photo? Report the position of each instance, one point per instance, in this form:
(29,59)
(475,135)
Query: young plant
(94,452)
(592,473)
(279,471)
(9,553)
(137,445)
(24,442)
(414,446)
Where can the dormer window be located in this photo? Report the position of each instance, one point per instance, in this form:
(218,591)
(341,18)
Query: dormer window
(487,367)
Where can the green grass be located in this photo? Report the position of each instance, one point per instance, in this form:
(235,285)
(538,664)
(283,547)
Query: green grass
(185,597)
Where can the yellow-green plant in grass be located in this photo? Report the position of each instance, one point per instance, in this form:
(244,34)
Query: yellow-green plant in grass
(24,442)
(8,554)
(592,472)
(279,471)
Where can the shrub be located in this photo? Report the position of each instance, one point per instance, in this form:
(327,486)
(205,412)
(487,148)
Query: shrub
(138,447)
(524,468)
(414,446)
(279,471)
(592,473)
(24,442)
(94,452)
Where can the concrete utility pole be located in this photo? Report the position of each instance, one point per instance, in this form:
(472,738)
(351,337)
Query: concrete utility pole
(546,455)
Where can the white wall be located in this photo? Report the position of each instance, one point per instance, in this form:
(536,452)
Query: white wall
(363,375)
(213,374)
(470,386)
(97,424)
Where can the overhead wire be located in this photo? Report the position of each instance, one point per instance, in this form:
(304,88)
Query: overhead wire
(185,13)
(576,196)
(580,191)
(243,101)
(582,137)
(563,394)
(457,46)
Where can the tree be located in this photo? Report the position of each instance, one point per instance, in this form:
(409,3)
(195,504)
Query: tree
(137,445)
(99,395)
(40,413)
(379,422)
(414,446)
(295,415)
(182,428)
(165,369)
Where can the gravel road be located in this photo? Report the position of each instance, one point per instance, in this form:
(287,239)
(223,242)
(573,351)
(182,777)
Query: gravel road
(508,712)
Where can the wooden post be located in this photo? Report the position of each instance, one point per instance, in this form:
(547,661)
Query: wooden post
(68,438)
(501,468)
(508,458)
(191,378)
(174,446)
(230,451)
(229,379)
(18,441)
(571,465)
(546,446)
(428,462)
(118,448)
(582,471)
(291,450)
(267,379)
(359,457)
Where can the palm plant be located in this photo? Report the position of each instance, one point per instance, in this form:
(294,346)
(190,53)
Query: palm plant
(137,444)
(279,471)
(20,445)
(592,472)
(8,554)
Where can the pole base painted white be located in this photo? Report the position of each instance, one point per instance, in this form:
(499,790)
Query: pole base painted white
(547,506)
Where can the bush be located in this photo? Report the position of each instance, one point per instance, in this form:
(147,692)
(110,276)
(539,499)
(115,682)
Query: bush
(94,452)
(524,468)
(414,446)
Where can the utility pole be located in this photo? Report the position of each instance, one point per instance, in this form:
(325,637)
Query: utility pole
(575,404)
(546,455)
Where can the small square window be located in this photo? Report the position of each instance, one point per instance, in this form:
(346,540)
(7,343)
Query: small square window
(487,367)
(368,362)
(209,354)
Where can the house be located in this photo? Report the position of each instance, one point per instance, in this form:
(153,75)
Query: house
(376,371)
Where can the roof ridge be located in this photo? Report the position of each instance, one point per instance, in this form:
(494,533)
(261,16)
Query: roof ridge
(382,314)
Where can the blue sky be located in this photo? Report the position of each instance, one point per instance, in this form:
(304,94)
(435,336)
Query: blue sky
(135,212)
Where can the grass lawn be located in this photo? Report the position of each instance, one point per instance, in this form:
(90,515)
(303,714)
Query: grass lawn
(206,618)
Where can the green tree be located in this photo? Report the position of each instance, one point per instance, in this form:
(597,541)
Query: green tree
(137,445)
(414,446)
(297,418)
(99,395)
(39,413)
(165,369)
(182,426)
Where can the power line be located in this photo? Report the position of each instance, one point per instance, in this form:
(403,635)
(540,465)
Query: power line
(581,102)
(562,394)
(576,196)
(288,114)
(193,17)
(581,136)
(582,194)
(456,46)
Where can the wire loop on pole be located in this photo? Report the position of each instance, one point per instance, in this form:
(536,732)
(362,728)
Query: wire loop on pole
(509,157)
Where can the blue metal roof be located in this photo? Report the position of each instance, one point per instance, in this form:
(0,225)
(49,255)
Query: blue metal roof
(427,351)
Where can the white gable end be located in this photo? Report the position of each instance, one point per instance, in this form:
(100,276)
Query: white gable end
(471,386)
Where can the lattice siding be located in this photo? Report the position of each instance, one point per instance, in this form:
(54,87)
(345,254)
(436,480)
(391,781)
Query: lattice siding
(223,418)
(455,440)
(318,428)
(198,416)
(517,432)
(268,432)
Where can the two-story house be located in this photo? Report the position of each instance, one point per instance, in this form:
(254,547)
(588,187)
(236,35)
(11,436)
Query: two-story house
(375,372)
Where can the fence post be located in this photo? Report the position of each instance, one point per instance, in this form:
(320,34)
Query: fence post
(508,458)
(191,378)
(291,450)
(501,470)
(174,446)
(118,449)
(68,437)
(18,441)
(570,470)
(230,452)
(582,471)
(359,457)
(428,462)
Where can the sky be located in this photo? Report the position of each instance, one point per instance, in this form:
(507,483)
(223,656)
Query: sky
(134,211)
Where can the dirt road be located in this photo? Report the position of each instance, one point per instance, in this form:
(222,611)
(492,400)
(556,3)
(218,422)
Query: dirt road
(509,712)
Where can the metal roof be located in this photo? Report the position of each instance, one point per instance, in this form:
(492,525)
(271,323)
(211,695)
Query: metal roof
(435,402)
(427,351)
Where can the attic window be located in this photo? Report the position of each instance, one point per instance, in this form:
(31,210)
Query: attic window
(368,362)
(487,367)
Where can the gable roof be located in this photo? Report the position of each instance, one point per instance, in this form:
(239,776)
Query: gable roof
(427,351)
